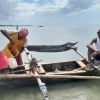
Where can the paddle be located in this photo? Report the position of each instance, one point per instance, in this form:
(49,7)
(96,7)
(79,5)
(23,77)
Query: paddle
(75,49)
(42,86)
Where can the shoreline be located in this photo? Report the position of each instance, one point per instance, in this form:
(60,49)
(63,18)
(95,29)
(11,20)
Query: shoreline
(14,25)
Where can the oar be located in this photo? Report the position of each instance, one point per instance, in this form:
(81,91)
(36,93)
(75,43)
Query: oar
(75,49)
(87,60)
(42,85)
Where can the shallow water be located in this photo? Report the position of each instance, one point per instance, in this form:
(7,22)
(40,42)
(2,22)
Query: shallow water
(76,90)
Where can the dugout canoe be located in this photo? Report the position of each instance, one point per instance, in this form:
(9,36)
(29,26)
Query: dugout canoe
(49,73)
(51,48)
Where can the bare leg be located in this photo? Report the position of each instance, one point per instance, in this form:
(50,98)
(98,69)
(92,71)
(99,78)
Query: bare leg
(19,59)
(89,59)
(93,54)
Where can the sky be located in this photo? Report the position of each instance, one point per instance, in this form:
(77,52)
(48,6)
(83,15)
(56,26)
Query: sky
(49,12)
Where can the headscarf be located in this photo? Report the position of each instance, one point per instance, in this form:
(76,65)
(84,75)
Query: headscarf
(23,32)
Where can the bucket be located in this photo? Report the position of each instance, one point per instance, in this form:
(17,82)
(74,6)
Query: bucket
(13,63)
(4,62)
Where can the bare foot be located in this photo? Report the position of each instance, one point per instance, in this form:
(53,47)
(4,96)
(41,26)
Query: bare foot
(88,67)
(31,73)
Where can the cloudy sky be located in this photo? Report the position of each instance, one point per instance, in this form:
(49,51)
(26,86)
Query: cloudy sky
(49,12)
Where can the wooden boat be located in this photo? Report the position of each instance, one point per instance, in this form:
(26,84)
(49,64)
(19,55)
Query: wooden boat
(48,72)
(52,48)
(41,26)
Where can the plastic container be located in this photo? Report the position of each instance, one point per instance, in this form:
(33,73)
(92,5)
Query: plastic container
(4,62)
(13,63)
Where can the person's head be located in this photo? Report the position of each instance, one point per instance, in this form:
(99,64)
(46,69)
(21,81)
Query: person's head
(98,33)
(23,32)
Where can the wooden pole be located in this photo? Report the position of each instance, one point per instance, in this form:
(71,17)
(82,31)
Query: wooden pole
(86,59)
(14,76)
(76,71)
(19,71)
(42,86)
(75,49)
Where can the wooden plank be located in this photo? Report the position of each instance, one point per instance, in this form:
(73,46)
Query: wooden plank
(40,69)
(26,68)
(80,63)
(76,71)
(42,85)
(20,76)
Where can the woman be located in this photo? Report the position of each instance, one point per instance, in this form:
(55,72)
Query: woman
(16,45)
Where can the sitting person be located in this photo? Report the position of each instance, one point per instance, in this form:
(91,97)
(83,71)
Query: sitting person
(16,45)
(94,52)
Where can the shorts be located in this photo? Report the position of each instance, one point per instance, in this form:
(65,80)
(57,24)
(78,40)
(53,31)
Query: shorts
(97,57)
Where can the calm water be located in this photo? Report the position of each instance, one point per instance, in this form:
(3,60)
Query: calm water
(77,90)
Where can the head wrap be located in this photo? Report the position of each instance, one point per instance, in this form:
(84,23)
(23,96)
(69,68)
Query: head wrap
(23,32)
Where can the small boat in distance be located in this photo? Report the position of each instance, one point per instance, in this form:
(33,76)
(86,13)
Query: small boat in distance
(40,26)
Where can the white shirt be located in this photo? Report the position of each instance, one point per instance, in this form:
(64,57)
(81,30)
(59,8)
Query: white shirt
(97,44)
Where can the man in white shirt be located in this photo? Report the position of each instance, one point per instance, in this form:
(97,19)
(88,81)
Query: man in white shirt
(93,52)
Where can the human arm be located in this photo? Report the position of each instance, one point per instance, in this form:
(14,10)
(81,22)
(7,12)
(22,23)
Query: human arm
(24,46)
(6,35)
(89,46)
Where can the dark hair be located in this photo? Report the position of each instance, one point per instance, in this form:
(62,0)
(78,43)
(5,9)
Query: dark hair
(98,31)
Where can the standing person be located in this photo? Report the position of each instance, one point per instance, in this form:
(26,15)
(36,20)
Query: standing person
(94,52)
(16,45)
(17,28)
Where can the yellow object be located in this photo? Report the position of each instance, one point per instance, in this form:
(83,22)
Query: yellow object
(13,50)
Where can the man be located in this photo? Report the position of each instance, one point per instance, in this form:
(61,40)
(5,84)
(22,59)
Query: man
(94,52)
(16,45)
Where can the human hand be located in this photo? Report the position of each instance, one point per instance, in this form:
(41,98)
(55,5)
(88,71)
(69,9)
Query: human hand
(12,42)
(93,54)
(98,51)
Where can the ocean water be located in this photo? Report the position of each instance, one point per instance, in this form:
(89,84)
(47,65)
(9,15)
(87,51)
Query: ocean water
(56,35)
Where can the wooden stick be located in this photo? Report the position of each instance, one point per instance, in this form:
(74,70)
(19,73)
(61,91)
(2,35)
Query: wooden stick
(86,59)
(11,76)
(95,66)
(76,71)
(19,71)
(42,86)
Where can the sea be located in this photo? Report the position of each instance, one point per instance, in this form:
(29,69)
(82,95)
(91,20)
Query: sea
(55,35)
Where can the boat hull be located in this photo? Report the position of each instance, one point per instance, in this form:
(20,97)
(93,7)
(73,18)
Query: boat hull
(28,80)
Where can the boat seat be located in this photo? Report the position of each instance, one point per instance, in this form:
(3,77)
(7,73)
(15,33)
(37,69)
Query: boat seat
(80,63)
(40,69)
